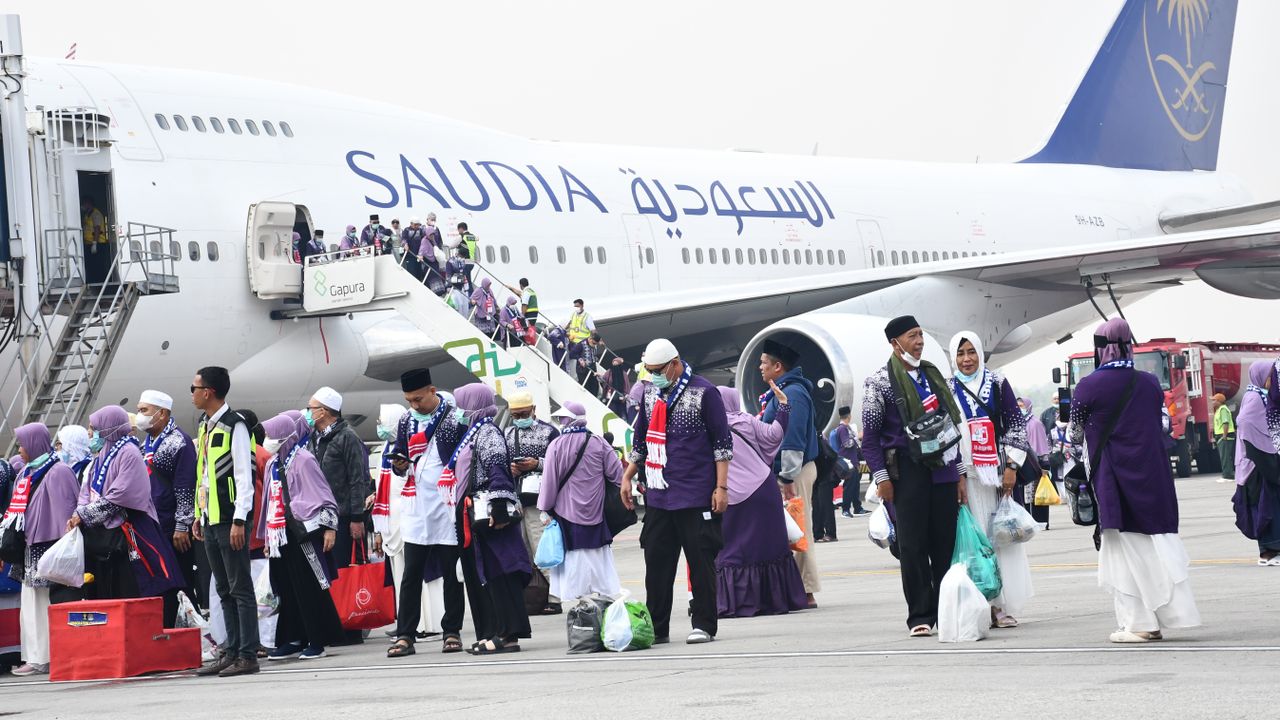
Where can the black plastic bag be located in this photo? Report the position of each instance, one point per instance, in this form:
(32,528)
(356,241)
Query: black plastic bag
(583,623)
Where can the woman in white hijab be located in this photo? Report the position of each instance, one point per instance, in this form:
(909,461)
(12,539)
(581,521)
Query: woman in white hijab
(995,447)
(72,446)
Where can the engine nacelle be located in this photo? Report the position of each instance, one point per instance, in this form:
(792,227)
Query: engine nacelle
(838,352)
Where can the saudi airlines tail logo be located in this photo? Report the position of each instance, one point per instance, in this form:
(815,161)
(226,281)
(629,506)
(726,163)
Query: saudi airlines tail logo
(1179,82)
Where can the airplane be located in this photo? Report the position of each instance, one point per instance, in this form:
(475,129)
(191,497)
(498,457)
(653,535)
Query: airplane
(717,251)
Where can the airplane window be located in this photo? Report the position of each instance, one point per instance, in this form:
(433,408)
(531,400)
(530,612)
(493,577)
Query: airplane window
(880,256)
(162,121)
(935,255)
(533,255)
(600,255)
(193,248)
(586,254)
(724,255)
(774,254)
(819,254)
(271,129)
(175,250)
(284,128)
(217,125)
(915,256)
(648,255)
(684,255)
(154,248)
(786,258)
(795,255)
(737,255)
(560,254)
(712,255)
(894,255)
(252,127)
(751,256)
(697,254)
(212,251)
(234,125)
(489,255)
(135,250)
(842,259)
(965,253)
(198,123)
(180,123)
(505,254)
(831,257)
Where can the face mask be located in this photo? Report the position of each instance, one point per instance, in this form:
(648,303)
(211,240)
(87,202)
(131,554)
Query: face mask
(384,432)
(967,378)
(460,415)
(908,358)
(523,423)
(39,461)
(143,421)
(64,456)
(272,445)
(660,381)
(420,417)
(95,442)
(309,418)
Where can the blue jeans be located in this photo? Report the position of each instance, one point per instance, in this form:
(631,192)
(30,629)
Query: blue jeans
(234,582)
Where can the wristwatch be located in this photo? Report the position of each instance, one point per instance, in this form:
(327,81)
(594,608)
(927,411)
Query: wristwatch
(238,523)
(1013,466)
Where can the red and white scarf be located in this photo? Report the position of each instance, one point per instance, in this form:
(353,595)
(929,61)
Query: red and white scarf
(381,512)
(655,438)
(15,516)
(449,478)
(277,534)
(984,455)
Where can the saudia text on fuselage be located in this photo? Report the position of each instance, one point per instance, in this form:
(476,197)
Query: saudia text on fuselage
(496,184)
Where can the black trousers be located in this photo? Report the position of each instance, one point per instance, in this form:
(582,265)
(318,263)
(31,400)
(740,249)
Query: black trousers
(509,619)
(307,613)
(852,493)
(409,611)
(824,508)
(204,575)
(665,535)
(926,517)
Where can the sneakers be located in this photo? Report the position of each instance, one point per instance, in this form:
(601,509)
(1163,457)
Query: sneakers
(285,652)
(312,653)
(222,662)
(846,513)
(698,637)
(241,666)
(29,669)
(861,512)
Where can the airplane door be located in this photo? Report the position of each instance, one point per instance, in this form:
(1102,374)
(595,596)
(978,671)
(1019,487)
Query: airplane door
(130,133)
(872,243)
(643,253)
(273,274)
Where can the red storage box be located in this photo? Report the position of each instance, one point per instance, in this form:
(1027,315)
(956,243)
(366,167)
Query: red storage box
(107,639)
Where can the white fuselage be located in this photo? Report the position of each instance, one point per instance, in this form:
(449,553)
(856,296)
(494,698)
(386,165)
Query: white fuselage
(607,223)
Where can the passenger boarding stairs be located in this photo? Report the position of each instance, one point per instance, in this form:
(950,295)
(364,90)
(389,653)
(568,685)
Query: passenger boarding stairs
(65,346)
(506,370)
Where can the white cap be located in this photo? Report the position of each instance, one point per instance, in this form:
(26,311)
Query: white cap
(520,400)
(414,221)
(659,352)
(156,398)
(329,398)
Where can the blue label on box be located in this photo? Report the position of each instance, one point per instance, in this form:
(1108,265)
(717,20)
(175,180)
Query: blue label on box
(84,619)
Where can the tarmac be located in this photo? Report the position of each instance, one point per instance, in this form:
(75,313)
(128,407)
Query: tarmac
(851,657)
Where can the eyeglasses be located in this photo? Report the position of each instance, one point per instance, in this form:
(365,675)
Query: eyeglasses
(314,408)
(194,388)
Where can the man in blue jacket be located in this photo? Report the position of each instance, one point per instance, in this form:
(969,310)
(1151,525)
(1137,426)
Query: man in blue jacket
(795,464)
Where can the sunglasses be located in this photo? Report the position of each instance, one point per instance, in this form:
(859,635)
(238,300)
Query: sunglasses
(194,388)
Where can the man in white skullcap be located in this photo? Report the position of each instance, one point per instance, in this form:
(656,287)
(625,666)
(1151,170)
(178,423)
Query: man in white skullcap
(171,459)
(527,440)
(683,446)
(344,462)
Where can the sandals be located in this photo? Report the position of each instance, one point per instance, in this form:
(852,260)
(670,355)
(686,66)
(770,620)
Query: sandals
(1126,637)
(493,646)
(1002,621)
(452,644)
(921,631)
(401,648)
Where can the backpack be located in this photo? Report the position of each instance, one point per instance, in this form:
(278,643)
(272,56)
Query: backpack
(826,461)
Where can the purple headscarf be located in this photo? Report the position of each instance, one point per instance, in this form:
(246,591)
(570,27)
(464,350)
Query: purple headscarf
(748,469)
(309,492)
(1037,435)
(127,484)
(477,400)
(579,418)
(18,464)
(1120,337)
(1251,422)
(34,438)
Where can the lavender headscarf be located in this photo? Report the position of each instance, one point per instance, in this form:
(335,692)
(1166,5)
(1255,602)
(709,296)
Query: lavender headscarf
(579,418)
(748,470)
(1037,435)
(1251,422)
(54,500)
(18,464)
(477,400)
(128,484)
(1120,345)
(309,492)
(34,438)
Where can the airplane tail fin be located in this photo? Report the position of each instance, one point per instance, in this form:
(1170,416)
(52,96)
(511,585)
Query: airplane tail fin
(1153,98)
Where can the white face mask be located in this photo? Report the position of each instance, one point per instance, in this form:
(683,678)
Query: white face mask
(272,445)
(143,421)
(908,358)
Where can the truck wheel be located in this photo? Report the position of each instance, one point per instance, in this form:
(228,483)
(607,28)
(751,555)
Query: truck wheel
(1183,463)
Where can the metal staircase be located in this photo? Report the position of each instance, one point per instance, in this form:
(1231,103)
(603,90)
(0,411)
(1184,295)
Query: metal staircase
(506,370)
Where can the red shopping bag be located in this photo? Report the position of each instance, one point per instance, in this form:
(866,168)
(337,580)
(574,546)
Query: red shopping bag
(362,596)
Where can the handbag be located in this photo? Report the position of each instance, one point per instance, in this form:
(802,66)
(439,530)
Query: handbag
(1084,501)
(1029,472)
(13,546)
(361,595)
(931,435)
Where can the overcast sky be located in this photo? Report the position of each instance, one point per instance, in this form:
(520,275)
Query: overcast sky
(933,80)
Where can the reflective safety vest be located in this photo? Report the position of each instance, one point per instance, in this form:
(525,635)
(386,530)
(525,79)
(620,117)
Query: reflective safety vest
(531,307)
(217,499)
(93,225)
(578,327)
(470,240)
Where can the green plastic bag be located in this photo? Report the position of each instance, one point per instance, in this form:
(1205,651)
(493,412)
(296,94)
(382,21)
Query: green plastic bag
(641,626)
(975,552)
(627,626)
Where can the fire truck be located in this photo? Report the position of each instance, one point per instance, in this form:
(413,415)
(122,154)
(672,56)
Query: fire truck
(1190,373)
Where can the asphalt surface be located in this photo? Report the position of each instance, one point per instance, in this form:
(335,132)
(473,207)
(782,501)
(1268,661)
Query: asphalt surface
(850,657)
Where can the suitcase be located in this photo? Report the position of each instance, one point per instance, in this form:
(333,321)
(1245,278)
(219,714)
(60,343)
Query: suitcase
(109,639)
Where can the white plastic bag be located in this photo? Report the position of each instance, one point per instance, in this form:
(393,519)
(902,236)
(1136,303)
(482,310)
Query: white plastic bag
(794,531)
(616,631)
(1012,523)
(190,617)
(873,495)
(268,602)
(963,613)
(63,562)
(880,527)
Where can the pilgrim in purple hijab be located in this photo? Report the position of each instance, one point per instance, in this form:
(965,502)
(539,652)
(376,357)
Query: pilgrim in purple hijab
(54,498)
(309,493)
(577,500)
(756,573)
(1257,497)
(117,497)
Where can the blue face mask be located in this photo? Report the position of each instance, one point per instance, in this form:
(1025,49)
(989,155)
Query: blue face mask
(64,456)
(523,423)
(95,442)
(39,461)
(660,381)
(384,432)
(420,417)
(460,415)
(968,378)
(307,416)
